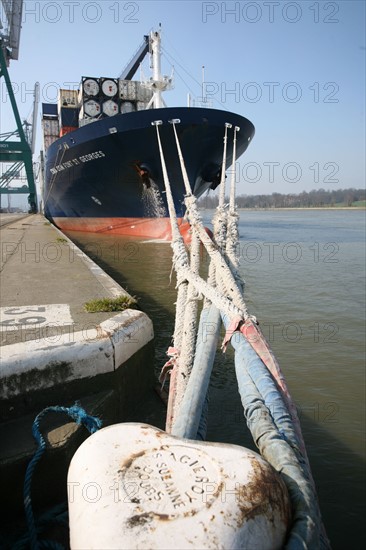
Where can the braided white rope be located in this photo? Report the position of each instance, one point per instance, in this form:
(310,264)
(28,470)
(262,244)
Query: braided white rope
(232,240)
(179,251)
(179,375)
(219,218)
(188,345)
(227,307)
(230,288)
(213,294)
(227,297)
(223,168)
(223,273)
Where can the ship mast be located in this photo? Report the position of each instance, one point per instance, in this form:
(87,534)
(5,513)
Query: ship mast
(157,83)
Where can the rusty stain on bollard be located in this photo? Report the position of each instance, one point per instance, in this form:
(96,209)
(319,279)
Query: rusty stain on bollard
(154,490)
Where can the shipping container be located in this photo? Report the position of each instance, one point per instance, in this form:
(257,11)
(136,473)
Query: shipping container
(68,117)
(50,127)
(90,108)
(48,140)
(49,110)
(128,89)
(141,105)
(67,129)
(110,108)
(109,87)
(143,93)
(85,121)
(67,99)
(128,107)
(132,90)
(89,88)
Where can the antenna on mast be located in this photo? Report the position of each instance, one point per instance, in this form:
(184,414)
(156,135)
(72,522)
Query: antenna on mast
(204,99)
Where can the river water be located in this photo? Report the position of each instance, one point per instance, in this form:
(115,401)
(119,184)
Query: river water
(305,282)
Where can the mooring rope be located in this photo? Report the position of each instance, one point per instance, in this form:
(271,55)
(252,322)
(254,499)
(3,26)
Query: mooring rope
(191,422)
(262,385)
(232,237)
(238,315)
(186,306)
(190,310)
(220,218)
(79,415)
(230,287)
(223,167)
(179,372)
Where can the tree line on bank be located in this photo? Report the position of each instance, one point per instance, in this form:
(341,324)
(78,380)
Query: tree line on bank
(306,199)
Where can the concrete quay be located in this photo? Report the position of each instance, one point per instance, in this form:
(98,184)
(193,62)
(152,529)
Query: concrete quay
(52,352)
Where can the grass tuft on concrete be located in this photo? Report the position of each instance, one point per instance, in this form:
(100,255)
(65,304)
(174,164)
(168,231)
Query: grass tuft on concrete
(110,304)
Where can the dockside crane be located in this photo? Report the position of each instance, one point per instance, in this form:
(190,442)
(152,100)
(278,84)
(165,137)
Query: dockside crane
(17,147)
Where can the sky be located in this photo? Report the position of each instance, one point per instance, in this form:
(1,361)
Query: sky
(295,69)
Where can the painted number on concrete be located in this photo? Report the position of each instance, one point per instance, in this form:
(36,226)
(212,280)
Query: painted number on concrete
(14,318)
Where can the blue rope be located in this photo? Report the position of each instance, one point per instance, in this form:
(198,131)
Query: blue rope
(55,516)
(79,415)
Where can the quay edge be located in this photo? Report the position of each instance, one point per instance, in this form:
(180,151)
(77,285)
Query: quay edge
(107,369)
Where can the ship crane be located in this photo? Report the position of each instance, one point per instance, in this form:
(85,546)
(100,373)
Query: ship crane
(132,66)
(158,83)
(15,148)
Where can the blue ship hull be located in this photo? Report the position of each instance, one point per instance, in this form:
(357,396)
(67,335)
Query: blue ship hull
(107,175)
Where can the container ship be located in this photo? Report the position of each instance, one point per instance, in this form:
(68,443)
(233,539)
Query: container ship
(102,167)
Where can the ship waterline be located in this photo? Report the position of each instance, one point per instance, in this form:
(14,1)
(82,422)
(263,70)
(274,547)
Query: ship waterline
(152,228)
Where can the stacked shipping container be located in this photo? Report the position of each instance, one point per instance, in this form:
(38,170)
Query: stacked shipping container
(109,96)
(97,98)
(68,111)
(89,100)
(133,95)
(50,124)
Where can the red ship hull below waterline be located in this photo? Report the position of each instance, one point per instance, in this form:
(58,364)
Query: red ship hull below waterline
(149,228)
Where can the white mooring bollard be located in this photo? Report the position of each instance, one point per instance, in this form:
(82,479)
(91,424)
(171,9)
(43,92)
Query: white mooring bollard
(134,486)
